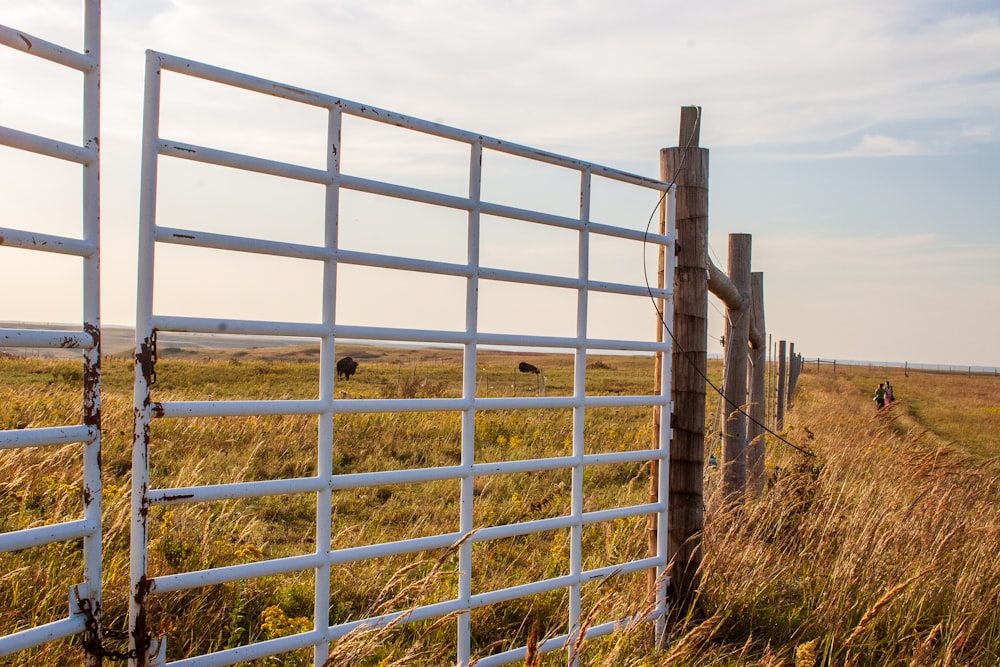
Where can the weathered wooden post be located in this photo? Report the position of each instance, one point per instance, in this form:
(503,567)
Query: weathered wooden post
(790,382)
(734,449)
(780,421)
(770,381)
(687,166)
(758,392)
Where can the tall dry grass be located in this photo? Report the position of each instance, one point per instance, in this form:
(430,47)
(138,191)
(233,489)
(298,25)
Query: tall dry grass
(43,485)
(881,551)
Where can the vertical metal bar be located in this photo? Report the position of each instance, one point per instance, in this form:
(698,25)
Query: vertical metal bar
(579,392)
(666,429)
(144,357)
(92,486)
(467,493)
(327,380)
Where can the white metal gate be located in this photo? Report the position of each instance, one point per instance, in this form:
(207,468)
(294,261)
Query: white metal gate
(85,596)
(147,494)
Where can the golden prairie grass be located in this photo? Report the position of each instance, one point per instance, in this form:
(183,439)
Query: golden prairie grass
(880,551)
(43,485)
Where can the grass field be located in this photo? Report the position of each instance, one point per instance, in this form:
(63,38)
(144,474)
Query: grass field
(880,551)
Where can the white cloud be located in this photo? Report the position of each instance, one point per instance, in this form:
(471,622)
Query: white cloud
(769,72)
(880,146)
(979,131)
(912,251)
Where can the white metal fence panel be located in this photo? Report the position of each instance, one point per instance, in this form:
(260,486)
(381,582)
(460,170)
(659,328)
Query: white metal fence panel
(471,535)
(84,597)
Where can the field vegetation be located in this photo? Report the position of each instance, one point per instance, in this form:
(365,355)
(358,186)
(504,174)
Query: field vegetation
(881,550)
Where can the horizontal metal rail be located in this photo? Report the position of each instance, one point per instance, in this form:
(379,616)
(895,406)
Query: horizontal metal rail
(200,239)
(373,333)
(213,492)
(223,575)
(312,175)
(292,642)
(247,82)
(34,143)
(42,535)
(51,435)
(260,650)
(25,639)
(343,481)
(14,238)
(47,338)
(176,409)
(291,564)
(41,48)
(430,611)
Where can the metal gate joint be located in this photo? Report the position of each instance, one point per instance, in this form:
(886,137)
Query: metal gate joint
(94,635)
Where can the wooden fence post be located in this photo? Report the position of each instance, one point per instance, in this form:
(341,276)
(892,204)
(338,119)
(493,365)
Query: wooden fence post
(780,421)
(758,392)
(687,166)
(734,450)
(790,382)
(769,383)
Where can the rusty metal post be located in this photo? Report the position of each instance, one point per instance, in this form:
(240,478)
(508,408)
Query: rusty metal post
(145,360)
(92,485)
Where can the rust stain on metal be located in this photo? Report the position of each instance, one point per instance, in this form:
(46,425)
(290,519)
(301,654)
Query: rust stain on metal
(92,379)
(157,409)
(27,42)
(176,496)
(1,240)
(140,633)
(94,331)
(146,358)
(69,342)
(290,89)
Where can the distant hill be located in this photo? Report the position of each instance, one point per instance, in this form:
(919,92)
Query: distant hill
(119,340)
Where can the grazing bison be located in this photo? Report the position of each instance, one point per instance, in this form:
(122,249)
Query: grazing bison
(347,367)
(525,367)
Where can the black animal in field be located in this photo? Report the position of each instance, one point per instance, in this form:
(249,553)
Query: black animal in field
(346,367)
(525,367)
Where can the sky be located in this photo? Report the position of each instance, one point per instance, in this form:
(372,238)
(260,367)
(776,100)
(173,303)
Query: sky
(858,142)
